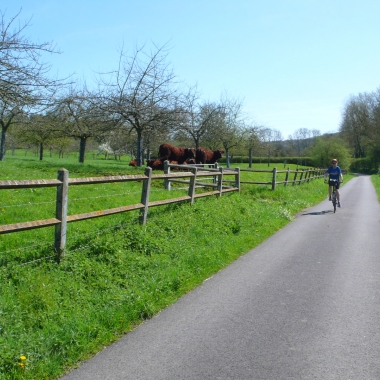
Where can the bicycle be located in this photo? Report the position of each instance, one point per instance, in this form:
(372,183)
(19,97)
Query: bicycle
(333,194)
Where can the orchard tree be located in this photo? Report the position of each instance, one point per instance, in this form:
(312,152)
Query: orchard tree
(252,141)
(197,119)
(39,130)
(140,93)
(270,138)
(24,83)
(82,118)
(230,126)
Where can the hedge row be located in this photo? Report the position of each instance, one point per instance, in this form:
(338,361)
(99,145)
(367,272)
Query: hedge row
(306,161)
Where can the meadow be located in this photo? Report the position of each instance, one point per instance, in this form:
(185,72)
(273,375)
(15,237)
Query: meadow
(116,273)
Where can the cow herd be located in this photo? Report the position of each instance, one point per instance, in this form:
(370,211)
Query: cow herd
(182,156)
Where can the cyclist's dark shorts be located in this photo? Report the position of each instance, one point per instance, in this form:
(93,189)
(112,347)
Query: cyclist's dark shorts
(336,183)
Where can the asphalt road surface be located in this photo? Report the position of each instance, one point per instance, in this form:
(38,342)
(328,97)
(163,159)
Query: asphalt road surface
(305,304)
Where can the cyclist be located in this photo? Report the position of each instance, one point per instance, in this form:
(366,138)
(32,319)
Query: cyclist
(334,173)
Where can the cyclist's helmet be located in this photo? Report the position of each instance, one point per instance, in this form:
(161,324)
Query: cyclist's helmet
(334,161)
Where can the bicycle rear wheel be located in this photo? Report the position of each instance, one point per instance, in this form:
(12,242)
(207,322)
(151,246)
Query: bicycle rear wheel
(334,200)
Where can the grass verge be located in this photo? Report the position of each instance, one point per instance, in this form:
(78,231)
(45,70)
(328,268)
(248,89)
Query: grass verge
(376,183)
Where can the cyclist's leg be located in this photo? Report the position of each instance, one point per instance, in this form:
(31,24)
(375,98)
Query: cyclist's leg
(337,195)
(337,192)
(330,192)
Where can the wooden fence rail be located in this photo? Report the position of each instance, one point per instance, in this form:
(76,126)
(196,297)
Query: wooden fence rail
(62,195)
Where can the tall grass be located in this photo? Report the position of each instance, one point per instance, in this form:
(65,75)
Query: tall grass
(118,273)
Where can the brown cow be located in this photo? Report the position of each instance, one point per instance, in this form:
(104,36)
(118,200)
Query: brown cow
(133,163)
(206,156)
(155,164)
(159,164)
(190,161)
(173,153)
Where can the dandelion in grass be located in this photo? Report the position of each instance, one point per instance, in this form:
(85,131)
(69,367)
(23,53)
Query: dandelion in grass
(22,361)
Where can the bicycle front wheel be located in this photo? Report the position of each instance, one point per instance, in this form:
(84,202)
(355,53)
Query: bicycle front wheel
(334,200)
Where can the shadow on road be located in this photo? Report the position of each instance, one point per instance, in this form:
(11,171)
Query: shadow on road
(318,213)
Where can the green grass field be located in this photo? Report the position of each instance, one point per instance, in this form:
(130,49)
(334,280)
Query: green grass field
(116,273)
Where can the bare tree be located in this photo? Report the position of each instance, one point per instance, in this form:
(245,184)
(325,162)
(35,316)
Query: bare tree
(140,93)
(252,141)
(231,128)
(82,118)
(24,84)
(270,137)
(39,130)
(197,119)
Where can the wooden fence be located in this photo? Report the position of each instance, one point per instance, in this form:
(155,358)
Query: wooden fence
(193,176)
(305,175)
(63,182)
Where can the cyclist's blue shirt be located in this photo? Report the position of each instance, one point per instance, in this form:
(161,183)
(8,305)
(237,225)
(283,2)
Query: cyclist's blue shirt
(334,173)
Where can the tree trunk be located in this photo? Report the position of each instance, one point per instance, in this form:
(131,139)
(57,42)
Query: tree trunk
(140,159)
(227,159)
(250,158)
(82,149)
(41,151)
(2,144)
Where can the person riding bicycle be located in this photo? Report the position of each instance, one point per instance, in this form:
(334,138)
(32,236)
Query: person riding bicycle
(335,177)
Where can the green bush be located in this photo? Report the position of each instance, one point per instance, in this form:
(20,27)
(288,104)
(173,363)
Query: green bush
(364,165)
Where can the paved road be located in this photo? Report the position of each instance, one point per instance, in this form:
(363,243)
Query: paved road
(305,304)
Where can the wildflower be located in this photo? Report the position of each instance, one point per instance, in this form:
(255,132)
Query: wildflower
(22,361)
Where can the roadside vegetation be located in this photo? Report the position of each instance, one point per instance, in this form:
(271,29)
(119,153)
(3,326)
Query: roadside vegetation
(117,273)
(376,182)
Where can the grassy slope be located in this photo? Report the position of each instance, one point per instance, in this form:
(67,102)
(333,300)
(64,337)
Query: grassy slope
(55,315)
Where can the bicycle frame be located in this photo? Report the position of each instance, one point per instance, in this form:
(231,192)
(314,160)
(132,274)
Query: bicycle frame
(333,194)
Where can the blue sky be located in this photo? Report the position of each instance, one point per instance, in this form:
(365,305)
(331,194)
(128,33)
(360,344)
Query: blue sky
(294,63)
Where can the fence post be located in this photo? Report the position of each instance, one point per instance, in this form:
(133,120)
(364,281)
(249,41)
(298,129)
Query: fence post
(167,171)
(61,213)
(274,178)
(237,178)
(303,171)
(215,166)
(220,181)
(193,180)
(310,172)
(145,195)
(295,177)
(287,177)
